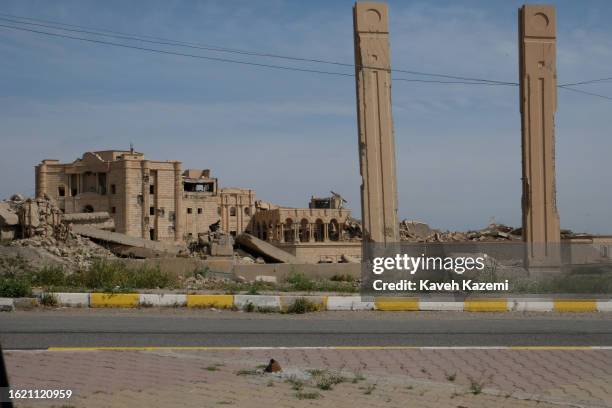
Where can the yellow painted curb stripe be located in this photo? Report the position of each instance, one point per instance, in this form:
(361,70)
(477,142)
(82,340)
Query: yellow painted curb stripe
(397,304)
(565,305)
(218,301)
(114,299)
(486,305)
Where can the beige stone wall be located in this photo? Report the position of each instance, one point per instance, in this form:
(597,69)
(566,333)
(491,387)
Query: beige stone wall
(204,212)
(237,208)
(322,252)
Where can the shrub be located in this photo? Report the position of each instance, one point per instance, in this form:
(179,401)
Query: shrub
(299,281)
(302,305)
(109,275)
(307,395)
(52,275)
(12,287)
(48,299)
(248,307)
(326,380)
(342,278)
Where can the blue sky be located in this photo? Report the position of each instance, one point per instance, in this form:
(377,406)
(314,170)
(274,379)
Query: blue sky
(289,135)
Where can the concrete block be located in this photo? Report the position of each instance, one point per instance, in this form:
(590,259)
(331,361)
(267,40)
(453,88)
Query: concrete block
(6,305)
(240,301)
(604,305)
(217,301)
(348,303)
(114,299)
(530,305)
(72,299)
(397,304)
(266,278)
(25,303)
(167,299)
(578,305)
(486,305)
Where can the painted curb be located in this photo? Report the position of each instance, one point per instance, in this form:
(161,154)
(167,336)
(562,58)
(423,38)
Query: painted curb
(319,301)
(114,299)
(7,305)
(258,301)
(330,303)
(164,299)
(434,306)
(397,304)
(348,303)
(521,305)
(604,305)
(206,301)
(71,299)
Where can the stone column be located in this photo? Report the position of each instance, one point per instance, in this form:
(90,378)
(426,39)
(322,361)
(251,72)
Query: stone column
(282,233)
(310,232)
(375,123)
(538,103)
(178,202)
(326,232)
(296,232)
(41,179)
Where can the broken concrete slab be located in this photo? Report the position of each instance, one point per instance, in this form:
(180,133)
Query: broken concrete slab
(265,249)
(101,220)
(415,228)
(124,245)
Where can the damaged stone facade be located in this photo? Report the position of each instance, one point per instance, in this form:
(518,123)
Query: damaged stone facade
(315,234)
(154,200)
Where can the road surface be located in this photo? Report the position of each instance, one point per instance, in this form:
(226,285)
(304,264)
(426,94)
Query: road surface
(179,328)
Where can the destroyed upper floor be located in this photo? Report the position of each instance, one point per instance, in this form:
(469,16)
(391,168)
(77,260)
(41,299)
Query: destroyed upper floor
(91,174)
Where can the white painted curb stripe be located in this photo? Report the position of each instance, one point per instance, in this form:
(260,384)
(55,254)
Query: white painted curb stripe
(7,303)
(167,299)
(348,303)
(604,305)
(520,305)
(72,299)
(240,301)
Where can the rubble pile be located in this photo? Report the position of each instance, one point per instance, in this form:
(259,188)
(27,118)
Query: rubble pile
(41,228)
(414,231)
(75,251)
(352,230)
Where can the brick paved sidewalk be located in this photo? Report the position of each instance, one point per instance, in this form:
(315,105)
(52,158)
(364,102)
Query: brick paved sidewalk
(373,378)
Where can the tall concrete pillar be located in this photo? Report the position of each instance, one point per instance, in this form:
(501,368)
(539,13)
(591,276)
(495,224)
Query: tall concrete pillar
(178,202)
(375,123)
(538,100)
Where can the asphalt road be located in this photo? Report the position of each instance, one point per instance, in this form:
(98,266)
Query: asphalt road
(89,328)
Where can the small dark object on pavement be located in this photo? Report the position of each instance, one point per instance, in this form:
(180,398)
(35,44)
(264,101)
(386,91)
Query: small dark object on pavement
(273,366)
